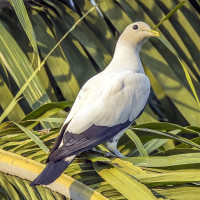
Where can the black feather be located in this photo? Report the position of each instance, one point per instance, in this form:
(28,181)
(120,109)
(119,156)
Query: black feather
(52,171)
(93,136)
(58,141)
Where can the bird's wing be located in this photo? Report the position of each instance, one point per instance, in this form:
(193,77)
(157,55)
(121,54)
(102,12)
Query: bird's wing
(80,99)
(110,106)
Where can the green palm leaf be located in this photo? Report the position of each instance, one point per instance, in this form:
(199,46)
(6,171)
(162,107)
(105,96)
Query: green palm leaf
(73,50)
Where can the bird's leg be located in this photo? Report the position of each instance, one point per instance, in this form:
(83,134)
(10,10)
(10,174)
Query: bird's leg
(95,150)
(111,145)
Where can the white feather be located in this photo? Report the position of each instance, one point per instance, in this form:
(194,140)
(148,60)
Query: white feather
(117,94)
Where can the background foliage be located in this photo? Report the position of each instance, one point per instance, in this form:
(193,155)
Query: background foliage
(170,169)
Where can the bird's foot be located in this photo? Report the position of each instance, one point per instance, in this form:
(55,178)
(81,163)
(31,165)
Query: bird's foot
(95,150)
(109,155)
(114,153)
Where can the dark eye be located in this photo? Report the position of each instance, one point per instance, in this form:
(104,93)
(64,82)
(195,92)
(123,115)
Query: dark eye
(135,27)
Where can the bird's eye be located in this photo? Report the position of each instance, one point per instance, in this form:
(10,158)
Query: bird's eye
(135,27)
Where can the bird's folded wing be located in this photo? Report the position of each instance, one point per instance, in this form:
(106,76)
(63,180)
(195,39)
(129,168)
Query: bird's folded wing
(104,112)
(93,136)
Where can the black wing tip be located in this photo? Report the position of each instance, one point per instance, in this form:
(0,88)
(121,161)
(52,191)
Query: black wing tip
(33,184)
(52,171)
(39,181)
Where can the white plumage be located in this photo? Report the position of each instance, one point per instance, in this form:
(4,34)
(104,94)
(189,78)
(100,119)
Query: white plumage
(106,105)
(109,99)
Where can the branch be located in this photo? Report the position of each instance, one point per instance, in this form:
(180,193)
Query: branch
(28,169)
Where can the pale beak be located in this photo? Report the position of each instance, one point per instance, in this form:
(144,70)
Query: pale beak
(154,33)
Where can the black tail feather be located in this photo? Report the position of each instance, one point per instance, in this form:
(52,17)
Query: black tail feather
(52,171)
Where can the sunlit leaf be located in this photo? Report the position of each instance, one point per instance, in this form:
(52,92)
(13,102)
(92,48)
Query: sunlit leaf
(34,138)
(137,142)
(183,66)
(25,21)
(127,185)
(170,14)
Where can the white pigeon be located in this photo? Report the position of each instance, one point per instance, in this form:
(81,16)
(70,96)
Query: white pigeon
(105,107)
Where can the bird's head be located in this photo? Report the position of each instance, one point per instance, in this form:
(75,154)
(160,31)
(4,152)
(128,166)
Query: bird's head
(137,33)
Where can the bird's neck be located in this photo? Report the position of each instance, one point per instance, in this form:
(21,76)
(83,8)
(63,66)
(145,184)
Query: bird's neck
(126,57)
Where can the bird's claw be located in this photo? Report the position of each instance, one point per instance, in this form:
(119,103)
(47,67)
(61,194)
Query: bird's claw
(108,155)
(117,155)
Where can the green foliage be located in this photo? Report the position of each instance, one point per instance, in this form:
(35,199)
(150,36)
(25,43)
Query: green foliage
(177,166)
(72,50)
(22,15)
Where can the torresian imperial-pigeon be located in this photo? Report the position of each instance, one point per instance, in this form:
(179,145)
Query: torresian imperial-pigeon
(106,105)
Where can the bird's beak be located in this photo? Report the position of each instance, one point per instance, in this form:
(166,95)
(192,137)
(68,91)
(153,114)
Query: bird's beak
(154,33)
